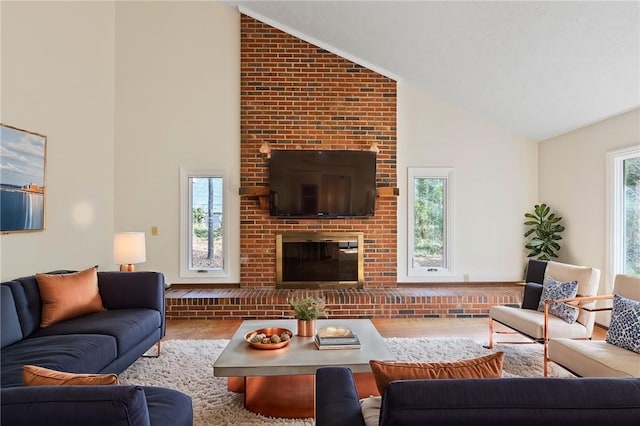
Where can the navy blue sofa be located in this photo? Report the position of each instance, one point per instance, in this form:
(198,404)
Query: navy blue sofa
(477,402)
(102,342)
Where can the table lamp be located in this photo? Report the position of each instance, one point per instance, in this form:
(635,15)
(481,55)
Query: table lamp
(129,249)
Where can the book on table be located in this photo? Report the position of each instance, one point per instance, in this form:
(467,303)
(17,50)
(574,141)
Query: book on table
(336,338)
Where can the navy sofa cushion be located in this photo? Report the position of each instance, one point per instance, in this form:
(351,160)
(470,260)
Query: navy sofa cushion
(88,353)
(128,326)
(26,294)
(124,290)
(10,331)
(75,405)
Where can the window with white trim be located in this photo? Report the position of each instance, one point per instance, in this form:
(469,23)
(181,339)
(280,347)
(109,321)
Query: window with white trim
(623,170)
(429,222)
(202,232)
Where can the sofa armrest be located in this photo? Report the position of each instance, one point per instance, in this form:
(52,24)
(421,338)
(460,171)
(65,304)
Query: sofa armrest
(337,400)
(575,302)
(74,405)
(131,290)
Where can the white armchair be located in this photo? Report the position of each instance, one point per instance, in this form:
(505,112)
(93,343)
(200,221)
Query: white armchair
(529,321)
(599,358)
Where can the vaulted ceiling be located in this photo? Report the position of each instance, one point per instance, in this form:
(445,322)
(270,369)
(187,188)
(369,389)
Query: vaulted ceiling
(538,68)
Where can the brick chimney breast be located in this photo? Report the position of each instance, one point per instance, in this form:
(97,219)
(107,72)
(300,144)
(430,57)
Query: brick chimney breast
(295,95)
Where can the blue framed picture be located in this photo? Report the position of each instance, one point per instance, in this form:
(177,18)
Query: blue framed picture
(22,180)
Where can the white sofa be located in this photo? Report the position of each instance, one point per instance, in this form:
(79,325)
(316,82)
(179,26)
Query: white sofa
(591,358)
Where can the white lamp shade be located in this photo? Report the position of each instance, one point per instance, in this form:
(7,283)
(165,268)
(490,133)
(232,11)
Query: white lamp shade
(129,248)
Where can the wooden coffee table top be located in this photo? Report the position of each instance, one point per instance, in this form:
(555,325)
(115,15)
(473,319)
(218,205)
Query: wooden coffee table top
(301,356)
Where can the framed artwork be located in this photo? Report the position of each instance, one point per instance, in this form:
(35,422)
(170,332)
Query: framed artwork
(22,180)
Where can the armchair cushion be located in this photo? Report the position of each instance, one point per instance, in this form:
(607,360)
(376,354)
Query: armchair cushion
(371,410)
(531,297)
(535,271)
(555,290)
(588,282)
(531,323)
(594,358)
(533,287)
(624,329)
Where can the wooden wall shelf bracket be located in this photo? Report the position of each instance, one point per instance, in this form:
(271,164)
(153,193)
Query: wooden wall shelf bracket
(260,192)
(387,191)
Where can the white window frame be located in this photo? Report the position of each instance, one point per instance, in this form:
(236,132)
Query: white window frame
(615,211)
(431,274)
(186,221)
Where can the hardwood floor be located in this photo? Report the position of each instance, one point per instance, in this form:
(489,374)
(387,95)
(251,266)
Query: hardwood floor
(472,328)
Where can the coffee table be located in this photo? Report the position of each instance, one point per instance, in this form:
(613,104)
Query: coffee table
(281,382)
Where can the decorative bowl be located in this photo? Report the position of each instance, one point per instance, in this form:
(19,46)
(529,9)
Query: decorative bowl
(268,332)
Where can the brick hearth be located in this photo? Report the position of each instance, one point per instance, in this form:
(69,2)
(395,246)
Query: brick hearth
(453,301)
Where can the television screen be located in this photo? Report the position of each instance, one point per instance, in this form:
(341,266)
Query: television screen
(306,183)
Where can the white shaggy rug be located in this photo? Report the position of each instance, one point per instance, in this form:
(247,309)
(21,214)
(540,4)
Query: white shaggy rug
(186,365)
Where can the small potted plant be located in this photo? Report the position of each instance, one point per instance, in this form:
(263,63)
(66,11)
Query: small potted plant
(306,311)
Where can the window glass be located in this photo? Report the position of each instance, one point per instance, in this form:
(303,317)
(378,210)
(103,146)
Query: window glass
(203,241)
(623,200)
(631,220)
(206,249)
(429,221)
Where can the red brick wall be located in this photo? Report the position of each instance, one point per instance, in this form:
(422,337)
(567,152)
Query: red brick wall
(298,96)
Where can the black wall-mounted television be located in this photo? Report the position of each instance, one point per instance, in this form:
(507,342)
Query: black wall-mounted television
(322,184)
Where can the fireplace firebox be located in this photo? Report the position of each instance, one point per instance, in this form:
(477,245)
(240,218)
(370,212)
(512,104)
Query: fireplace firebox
(319,259)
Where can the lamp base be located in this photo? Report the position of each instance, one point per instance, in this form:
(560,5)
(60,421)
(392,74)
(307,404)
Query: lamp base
(127,267)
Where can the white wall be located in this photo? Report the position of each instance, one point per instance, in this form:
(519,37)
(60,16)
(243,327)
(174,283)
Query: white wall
(57,79)
(572,182)
(177,104)
(171,73)
(495,183)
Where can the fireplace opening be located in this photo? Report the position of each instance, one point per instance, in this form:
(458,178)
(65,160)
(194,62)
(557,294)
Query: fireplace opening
(319,259)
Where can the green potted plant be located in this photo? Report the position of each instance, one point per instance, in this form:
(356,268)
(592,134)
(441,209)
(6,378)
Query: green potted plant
(546,230)
(306,311)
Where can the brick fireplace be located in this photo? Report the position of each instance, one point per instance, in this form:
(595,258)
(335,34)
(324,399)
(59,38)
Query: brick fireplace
(295,95)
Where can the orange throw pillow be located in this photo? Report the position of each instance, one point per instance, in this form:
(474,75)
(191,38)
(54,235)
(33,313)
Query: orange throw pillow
(33,375)
(66,296)
(487,366)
